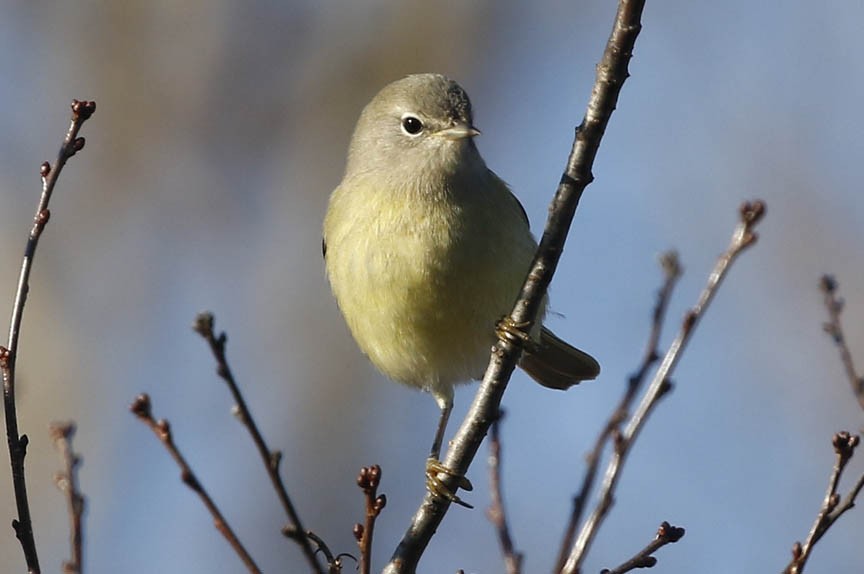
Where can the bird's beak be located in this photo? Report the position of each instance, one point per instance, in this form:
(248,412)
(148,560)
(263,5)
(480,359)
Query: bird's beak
(459,131)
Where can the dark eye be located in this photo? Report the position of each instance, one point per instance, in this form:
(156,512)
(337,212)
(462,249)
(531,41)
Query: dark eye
(411,125)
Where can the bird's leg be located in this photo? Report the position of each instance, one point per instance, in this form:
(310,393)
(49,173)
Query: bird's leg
(434,466)
(515,332)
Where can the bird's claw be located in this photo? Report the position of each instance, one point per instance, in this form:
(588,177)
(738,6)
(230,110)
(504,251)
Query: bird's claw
(436,486)
(509,330)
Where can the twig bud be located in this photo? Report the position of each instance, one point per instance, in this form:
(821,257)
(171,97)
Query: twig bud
(828,284)
(141,407)
(203,324)
(83,109)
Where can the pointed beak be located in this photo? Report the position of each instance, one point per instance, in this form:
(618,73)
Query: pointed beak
(459,131)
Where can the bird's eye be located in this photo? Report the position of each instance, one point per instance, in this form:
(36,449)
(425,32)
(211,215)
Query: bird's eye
(411,125)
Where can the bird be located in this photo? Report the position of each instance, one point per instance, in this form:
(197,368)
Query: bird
(426,249)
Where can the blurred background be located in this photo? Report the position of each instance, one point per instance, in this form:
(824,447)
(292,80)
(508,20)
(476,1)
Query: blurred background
(220,130)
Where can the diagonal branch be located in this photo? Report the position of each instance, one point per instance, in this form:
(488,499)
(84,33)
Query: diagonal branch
(832,506)
(72,144)
(666,534)
(141,408)
(672,271)
(834,304)
(271,458)
(611,74)
(743,237)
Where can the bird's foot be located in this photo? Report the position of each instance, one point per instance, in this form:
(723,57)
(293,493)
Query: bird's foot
(510,330)
(434,484)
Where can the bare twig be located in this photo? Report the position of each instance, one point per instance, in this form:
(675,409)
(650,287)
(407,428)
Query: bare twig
(496,513)
(832,506)
(611,74)
(141,408)
(271,458)
(672,271)
(72,144)
(67,482)
(666,534)
(743,237)
(334,562)
(368,480)
(834,304)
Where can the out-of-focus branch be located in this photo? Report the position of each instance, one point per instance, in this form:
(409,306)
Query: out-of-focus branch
(368,480)
(67,482)
(743,237)
(834,304)
(833,506)
(334,561)
(271,458)
(666,534)
(611,74)
(671,271)
(72,144)
(496,513)
(141,408)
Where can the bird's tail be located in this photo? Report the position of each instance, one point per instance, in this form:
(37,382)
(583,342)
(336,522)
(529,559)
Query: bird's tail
(557,365)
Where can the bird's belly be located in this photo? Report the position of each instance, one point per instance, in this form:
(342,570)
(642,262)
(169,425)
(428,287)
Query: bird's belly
(421,322)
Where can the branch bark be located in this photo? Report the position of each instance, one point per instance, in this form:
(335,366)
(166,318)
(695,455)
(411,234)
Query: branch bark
(832,506)
(834,305)
(611,74)
(142,409)
(67,482)
(271,458)
(743,237)
(72,144)
(672,272)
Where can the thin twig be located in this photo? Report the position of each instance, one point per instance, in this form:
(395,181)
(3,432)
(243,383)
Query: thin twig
(334,562)
(672,272)
(271,458)
(72,144)
(67,482)
(496,514)
(743,237)
(141,408)
(611,74)
(832,506)
(368,480)
(666,534)
(834,304)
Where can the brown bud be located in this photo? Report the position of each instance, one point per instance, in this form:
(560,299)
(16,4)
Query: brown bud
(141,406)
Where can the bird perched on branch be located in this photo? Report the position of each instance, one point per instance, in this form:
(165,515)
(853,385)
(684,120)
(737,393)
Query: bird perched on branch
(426,250)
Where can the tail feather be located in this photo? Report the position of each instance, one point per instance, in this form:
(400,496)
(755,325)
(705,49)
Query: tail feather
(555,364)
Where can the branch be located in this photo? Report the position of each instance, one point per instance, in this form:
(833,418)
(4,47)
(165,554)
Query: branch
(67,482)
(834,304)
(611,74)
(368,480)
(72,144)
(743,237)
(334,562)
(162,429)
(666,534)
(271,458)
(832,508)
(672,272)
(496,514)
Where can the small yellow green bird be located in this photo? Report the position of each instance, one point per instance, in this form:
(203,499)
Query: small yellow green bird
(426,250)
